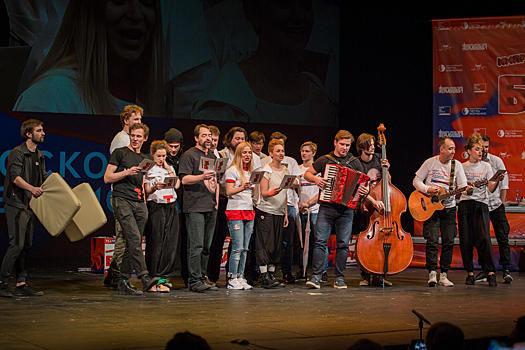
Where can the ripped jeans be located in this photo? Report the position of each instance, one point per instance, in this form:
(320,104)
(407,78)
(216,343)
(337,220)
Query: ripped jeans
(240,233)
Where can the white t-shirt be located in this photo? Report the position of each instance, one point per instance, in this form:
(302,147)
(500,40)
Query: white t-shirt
(475,172)
(120,140)
(293,168)
(225,153)
(243,199)
(276,204)
(434,173)
(497,164)
(165,195)
(309,190)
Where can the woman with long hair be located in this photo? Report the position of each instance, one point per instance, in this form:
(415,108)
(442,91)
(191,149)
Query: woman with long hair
(239,212)
(106,54)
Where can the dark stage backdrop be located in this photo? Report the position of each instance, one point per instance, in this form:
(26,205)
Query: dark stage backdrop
(384,76)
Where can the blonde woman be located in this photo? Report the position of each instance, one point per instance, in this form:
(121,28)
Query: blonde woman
(240,213)
(106,54)
(162,228)
(271,216)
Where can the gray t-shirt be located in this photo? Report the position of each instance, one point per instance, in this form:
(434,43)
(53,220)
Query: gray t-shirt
(197,197)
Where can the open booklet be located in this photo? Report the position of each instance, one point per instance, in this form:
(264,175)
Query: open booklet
(146,165)
(287,182)
(171,181)
(213,164)
(256,177)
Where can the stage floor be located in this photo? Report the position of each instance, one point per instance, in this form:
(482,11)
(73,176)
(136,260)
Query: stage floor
(76,312)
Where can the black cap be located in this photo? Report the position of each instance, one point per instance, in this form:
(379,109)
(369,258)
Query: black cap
(173,135)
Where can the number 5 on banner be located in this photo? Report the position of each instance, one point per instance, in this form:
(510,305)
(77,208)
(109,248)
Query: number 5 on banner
(511,94)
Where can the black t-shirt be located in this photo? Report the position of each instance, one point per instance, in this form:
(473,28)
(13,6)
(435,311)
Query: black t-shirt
(197,197)
(331,158)
(129,187)
(35,170)
(372,168)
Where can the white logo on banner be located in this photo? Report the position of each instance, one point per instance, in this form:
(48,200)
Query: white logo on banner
(474,47)
(480,88)
(474,111)
(446,47)
(465,25)
(509,133)
(523,155)
(480,131)
(478,67)
(464,111)
(504,155)
(444,110)
(450,89)
(450,133)
(465,155)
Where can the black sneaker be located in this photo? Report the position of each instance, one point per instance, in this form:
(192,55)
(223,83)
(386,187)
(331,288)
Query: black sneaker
(114,283)
(148,282)
(288,278)
(25,291)
(211,287)
(199,287)
(507,278)
(125,288)
(470,280)
(5,292)
(481,277)
(492,280)
(272,274)
(299,277)
(108,278)
(268,281)
(324,277)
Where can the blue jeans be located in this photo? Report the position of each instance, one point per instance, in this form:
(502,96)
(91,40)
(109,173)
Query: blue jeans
(341,220)
(286,260)
(313,221)
(240,233)
(200,227)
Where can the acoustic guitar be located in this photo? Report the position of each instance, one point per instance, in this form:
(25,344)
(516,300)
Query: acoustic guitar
(422,206)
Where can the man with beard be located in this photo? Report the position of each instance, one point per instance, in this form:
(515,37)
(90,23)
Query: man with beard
(25,173)
(332,215)
(369,163)
(497,215)
(200,207)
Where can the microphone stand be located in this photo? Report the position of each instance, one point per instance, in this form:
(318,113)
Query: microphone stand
(421,320)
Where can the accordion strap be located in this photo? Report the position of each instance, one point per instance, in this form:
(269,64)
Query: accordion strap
(344,162)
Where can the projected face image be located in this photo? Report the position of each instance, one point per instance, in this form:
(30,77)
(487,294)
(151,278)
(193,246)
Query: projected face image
(129,25)
(287,24)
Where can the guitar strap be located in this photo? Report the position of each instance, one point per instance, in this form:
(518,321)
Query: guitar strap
(452,169)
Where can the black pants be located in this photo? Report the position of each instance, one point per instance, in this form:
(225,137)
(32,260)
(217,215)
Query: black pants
(132,217)
(474,231)
(162,238)
(20,228)
(217,245)
(501,230)
(444,221)
(269,239)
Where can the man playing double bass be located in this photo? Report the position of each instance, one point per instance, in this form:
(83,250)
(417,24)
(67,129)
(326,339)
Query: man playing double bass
(445,172)
(369,163)
(332,215)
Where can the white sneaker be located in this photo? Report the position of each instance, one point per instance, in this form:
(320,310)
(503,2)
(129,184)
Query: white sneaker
(444,281)
(244,283)
(432,279)
(235,284)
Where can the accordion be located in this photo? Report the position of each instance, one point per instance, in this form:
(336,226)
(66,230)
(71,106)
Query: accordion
(342,185)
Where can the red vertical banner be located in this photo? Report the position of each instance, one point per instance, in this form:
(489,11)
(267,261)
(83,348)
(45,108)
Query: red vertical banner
(479,87)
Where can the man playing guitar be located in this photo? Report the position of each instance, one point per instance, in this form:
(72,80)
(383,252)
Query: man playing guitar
(440,171)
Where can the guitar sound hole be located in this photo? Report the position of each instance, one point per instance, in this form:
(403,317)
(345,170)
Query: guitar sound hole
(434,199)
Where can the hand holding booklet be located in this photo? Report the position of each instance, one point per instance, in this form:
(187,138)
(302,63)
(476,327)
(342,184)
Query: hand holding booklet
(146,165)
(497,174)
(170,181)
(213,164)
(287,182)
(256,177)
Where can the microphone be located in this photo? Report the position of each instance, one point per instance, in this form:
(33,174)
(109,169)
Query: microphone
(421,317)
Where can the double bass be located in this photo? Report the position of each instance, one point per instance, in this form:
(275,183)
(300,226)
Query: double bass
(384,248)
